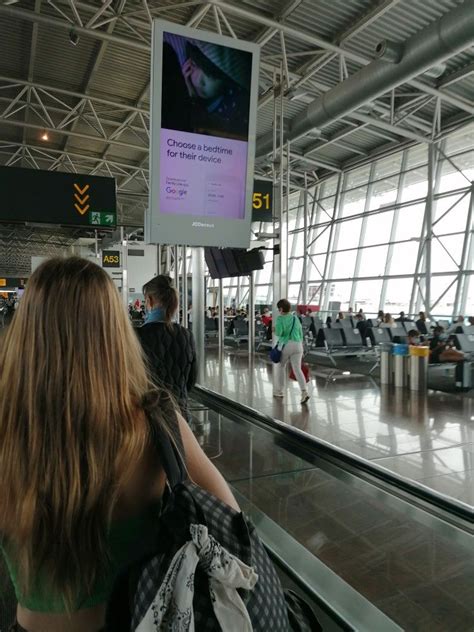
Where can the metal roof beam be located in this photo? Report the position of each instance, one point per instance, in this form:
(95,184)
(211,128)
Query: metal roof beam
(87,117)
(71,93)
(100,54)
(95,139)
(440,40)
(457,75)
(43,153)
(48,20)
(313,161)
(376,122)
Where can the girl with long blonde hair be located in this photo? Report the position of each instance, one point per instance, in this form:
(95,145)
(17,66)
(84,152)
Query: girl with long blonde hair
(81,481)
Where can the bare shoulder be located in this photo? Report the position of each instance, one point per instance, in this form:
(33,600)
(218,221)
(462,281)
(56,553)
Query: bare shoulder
(145,486)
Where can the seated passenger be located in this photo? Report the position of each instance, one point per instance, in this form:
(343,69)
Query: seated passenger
(388,321)
(380,317)
(456,326)
(471,321)
(421,323)
(403,318)
(362,325)
(340,317)
(81,479)
(169,347)
(442,348)
(413,337)
(266,316)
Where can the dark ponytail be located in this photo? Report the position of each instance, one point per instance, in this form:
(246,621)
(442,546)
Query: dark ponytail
(161,291)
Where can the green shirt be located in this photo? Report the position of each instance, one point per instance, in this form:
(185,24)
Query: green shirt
(128,540)
(283,326)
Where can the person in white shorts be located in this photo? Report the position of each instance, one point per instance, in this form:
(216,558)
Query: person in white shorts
(290,339)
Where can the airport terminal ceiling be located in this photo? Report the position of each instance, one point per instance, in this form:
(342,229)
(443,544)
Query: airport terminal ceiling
(74,96)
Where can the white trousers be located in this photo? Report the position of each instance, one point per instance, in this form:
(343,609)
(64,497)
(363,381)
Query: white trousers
(292,351)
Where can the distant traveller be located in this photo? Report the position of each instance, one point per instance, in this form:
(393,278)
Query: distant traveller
(169,347)
(289,332)
(421,323)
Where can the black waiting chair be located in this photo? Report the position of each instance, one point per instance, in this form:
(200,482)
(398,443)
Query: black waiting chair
(379,335)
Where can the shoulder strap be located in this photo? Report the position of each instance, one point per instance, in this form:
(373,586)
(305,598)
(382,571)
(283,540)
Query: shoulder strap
(292,326)
(163,440)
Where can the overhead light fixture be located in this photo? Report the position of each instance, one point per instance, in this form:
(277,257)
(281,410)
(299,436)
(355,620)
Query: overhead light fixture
(44,135)
(73,37)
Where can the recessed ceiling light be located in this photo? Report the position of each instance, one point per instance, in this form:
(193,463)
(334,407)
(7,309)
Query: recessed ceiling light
(44,136)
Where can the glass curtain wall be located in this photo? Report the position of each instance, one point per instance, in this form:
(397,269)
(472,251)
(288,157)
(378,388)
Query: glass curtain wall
(367,239)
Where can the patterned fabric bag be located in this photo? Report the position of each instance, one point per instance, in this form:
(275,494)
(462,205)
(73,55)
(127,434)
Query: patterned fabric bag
(210,571)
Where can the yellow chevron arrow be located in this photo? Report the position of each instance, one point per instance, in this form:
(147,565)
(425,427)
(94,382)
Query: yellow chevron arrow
(83,190)
(83,200)
(81,210)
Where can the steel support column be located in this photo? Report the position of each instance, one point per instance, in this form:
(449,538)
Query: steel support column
(124,248)
(198,309)
(363,230)
(429,226)
(251,315)
(184,288)
(333,238)
(393,231)
(158,259)
(466,261)
(305,241)
(221,332)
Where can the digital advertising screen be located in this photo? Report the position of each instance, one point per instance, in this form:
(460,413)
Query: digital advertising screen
(204,94)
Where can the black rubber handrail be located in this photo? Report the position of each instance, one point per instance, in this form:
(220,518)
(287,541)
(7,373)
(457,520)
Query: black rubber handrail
(451,510)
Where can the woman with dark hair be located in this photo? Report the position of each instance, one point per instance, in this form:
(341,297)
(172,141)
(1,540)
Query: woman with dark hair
(169,348)
(82,479)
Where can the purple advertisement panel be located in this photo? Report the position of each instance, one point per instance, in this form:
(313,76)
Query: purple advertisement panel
(204,97)
(204,128)
(202,175)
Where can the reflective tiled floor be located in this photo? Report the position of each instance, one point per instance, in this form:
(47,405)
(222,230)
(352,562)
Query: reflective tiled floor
(412,566)
(426,439)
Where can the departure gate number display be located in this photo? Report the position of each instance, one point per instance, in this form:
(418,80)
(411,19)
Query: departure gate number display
(262,202)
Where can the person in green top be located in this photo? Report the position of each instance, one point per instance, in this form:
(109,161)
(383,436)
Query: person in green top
(290,339)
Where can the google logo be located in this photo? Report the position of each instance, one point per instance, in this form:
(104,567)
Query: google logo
(180,192)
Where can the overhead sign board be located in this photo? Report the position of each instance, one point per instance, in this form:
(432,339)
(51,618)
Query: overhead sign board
(52,197)
(262,202)
(111,259)
(204,94)
(12,282)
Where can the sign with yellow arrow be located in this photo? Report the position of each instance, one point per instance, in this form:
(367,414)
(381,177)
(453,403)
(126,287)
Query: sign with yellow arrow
(81,198)
(69,199)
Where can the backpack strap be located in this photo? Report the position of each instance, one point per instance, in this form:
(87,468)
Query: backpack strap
(292,326)
(167,441)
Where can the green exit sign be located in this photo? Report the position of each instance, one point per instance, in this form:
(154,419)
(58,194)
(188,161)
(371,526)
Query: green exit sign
(102,218)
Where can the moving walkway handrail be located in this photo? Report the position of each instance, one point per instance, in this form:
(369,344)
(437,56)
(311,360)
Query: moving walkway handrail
(451,510)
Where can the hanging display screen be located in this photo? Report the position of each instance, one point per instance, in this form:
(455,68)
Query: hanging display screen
(204,99)
(52,197)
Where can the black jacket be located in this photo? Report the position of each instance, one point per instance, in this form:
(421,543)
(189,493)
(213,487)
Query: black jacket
(171,355)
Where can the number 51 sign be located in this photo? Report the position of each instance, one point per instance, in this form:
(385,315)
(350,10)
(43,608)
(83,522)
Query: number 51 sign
(262,201)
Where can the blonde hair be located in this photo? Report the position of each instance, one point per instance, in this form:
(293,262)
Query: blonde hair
(72,379)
